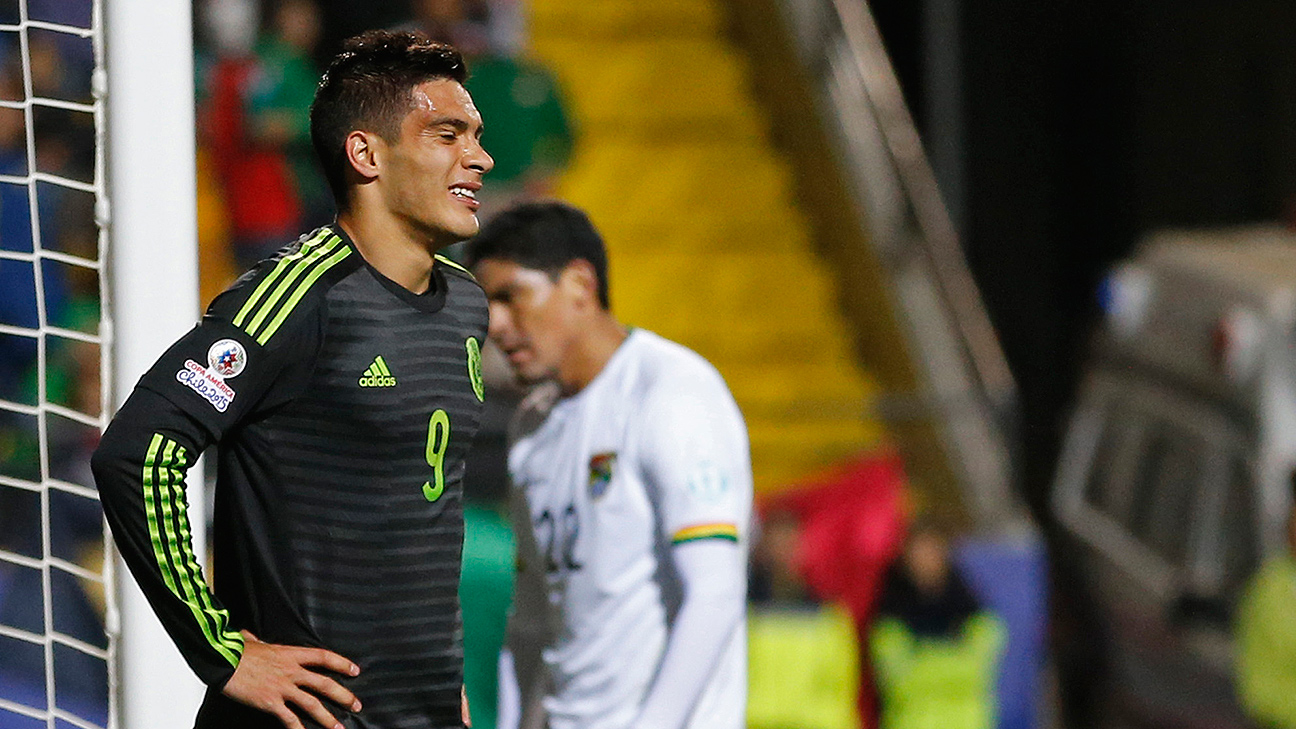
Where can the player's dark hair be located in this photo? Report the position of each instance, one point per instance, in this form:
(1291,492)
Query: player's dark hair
(369,85)
(545,236)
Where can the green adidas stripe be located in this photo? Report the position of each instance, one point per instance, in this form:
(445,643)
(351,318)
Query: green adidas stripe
(452,264)
(284,264)
(172,546)
(302,288)
(372,371)
(300,267)
(150,511)
(382,366)
(218,620)
(181,551)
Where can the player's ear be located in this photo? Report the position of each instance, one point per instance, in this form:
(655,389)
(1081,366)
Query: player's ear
(580,275)
(363,153)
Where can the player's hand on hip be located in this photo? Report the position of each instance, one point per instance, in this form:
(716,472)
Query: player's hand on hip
(463,707)
(269,677)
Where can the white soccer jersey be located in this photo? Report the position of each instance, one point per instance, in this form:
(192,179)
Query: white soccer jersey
(651,454)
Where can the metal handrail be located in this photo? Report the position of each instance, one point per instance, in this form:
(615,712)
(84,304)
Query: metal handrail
(861,34)
(965,384)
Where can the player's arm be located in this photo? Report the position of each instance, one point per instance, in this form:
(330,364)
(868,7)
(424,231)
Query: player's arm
(714,591)
(176,411)
(697,467)
(140,467)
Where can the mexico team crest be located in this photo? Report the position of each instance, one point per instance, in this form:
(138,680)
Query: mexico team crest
(475,368)
(600,473)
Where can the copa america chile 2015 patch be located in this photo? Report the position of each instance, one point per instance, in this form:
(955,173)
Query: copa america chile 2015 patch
(225,360)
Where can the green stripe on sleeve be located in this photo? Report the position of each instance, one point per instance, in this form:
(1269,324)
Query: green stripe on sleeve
(173,546)
(150,510)
(302,288)
(218,619)
(284,264)
(287,282)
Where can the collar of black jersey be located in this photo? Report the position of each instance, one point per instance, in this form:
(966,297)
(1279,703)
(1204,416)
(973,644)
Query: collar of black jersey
(429,301)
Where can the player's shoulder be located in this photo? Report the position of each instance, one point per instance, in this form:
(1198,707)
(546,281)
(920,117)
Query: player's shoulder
(287,287)
(663,364)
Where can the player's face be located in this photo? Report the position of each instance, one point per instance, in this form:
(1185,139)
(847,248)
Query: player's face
(434,170)
(533,318)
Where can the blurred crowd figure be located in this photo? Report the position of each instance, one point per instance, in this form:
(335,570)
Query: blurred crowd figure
(256,79)
(842,573)
(1266,637)
(935,648)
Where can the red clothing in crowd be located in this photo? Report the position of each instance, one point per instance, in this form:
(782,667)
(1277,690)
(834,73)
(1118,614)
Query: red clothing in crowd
(258,185)
(852,528)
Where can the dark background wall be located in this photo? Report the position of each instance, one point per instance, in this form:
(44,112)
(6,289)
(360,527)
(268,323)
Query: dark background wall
(1086,124)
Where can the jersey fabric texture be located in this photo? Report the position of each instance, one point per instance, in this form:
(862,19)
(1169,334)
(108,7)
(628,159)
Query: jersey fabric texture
(652,454)
(342,407)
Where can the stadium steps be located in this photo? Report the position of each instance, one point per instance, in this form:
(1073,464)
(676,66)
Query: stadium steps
(707,244)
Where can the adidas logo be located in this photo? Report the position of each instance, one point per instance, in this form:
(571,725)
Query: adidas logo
(377,375)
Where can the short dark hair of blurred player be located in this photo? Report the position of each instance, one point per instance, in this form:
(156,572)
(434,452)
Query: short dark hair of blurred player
(636,478)
(552,300)
(341,380)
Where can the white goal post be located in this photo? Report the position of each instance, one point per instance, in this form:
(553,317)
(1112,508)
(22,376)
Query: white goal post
(153,298)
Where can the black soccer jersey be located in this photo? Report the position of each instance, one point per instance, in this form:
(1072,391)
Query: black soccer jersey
(342,406)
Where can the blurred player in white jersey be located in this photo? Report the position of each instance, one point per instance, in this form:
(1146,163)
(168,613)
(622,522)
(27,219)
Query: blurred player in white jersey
(635,468)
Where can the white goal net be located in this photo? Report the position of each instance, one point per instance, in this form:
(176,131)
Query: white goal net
(96,102)
(56,657)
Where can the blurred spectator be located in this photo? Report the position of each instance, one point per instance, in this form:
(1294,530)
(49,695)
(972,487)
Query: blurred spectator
(803,668)
(851,525)
(935,650)
(803,657)
(528,135)
(1266,637)
(464,24)
(775,577)
(280,100)
(253,118)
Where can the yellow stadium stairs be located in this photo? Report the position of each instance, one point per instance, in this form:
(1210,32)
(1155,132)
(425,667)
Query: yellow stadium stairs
(675,165)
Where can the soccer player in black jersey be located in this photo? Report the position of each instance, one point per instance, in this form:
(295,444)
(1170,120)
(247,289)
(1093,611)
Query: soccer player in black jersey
(340,382)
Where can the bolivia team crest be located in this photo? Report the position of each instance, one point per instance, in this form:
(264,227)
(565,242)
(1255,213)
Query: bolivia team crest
(475,368)
(600,473)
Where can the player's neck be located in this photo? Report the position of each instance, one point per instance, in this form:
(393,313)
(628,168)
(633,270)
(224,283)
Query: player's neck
(391,248)
(591,353)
